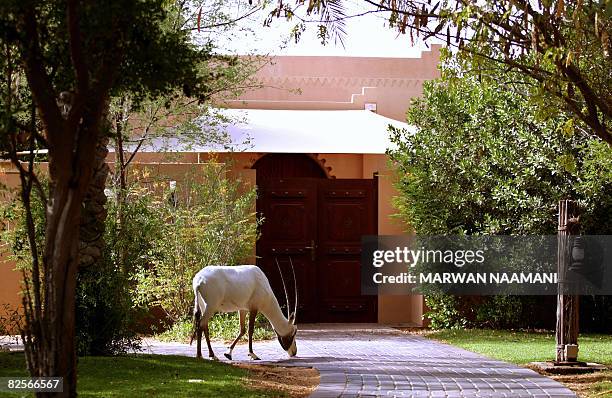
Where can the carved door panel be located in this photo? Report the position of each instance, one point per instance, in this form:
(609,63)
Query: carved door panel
(289,208)
(318,223)
(347,211)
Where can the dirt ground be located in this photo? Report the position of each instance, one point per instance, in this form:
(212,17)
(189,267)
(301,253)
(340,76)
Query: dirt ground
(582,384)
(290,380)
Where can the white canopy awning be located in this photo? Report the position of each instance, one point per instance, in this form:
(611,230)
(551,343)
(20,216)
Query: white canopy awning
(298,131)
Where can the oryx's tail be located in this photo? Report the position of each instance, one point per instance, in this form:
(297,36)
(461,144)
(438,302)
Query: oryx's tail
(198,309)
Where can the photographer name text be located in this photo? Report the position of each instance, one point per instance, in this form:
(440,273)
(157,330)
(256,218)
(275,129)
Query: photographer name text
(467,278)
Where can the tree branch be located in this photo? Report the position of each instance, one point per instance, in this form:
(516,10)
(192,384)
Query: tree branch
(230,22)
(40,85)
(76,48)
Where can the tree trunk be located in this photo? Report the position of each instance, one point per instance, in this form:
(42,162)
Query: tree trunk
(68,188)
(93,214)
(59,356)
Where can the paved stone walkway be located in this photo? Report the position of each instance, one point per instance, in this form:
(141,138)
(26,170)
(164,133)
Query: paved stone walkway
(373,361)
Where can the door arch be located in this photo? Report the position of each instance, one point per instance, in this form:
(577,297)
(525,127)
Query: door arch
(288,165)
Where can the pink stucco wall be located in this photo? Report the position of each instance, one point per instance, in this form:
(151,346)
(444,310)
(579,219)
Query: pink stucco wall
(334,83)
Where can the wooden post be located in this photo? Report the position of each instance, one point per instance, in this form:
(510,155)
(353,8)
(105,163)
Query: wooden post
(567,305)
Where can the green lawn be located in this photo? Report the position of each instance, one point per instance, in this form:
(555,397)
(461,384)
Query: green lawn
(524,347)
(149,376)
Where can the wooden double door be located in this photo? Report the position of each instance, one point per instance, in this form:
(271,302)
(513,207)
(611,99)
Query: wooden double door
(317,224)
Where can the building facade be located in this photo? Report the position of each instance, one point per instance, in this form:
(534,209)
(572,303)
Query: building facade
(318,128)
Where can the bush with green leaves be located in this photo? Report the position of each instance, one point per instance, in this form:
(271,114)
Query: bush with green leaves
(107,316)
(485,160)
(157,238)
(443,313)
(105,312)
(482,162)
(208,219)
(500,312)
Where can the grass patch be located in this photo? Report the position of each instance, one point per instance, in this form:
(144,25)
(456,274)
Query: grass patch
(521,347)
(157,376)
(222,326)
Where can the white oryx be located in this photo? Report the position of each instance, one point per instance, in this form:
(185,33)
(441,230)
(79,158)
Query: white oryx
(241,288)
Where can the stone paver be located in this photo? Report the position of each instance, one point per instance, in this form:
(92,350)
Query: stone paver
(374,361)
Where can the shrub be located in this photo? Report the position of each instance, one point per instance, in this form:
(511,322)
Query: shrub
(205,223)
(105,315)
(106,312)
(484,161)
(442,312)
(157,238)
(223,326)
(499,312)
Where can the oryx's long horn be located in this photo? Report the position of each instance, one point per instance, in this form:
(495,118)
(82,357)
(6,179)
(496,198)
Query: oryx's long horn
(296,290)
(284,286)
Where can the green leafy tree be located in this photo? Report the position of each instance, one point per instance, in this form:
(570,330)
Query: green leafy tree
(62,61)
(483,161)
(173,121)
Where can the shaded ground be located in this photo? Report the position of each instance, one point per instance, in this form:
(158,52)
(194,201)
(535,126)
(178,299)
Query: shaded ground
(158,376)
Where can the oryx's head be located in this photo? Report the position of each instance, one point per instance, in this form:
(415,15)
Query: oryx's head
(288,341)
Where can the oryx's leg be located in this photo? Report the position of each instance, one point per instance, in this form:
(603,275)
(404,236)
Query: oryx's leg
(211,354)
(252,316)
(204,326)
(242,318)
(198,332)
(198,341)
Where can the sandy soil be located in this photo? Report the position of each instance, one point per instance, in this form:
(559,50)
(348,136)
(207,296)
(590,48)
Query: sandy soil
(291,380)
(582,384)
